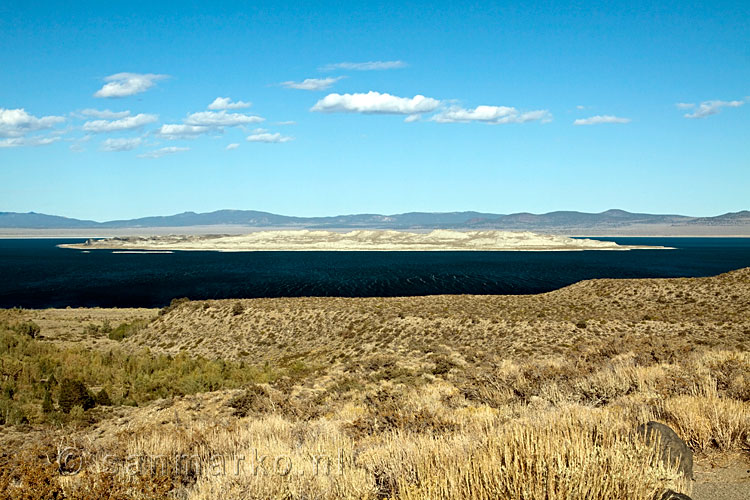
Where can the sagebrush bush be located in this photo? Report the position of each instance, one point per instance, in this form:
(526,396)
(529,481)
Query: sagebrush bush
(238,308)
(125,330)
(28,328)
(74,393)
(102,398)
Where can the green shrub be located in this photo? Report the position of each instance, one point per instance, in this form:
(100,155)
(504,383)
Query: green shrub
(47,405)
(126,330)
(28,328)
(78,414)
(74,393)
(102,398)
(91,329)
(106,327)
(11,413)
(443,365)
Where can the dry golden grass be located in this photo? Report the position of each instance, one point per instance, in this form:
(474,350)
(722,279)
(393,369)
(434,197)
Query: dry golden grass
(571,452)
(708,421)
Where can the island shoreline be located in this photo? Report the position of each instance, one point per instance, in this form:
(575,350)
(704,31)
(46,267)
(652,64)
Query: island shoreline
(363,240)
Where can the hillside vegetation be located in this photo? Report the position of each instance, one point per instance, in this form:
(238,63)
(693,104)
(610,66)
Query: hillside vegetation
(443,397)
(667,316)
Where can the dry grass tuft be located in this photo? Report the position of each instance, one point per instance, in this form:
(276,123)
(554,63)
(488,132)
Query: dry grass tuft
(709,421)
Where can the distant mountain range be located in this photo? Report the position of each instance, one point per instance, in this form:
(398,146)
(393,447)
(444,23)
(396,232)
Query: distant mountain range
(612,221)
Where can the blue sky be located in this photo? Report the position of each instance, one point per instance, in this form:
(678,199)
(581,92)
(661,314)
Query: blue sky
(373,107)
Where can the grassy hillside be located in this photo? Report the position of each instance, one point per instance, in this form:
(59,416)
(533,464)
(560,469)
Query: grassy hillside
(430,397)
(667,316)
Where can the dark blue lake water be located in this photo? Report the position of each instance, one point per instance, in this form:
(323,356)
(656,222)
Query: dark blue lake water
(37,274)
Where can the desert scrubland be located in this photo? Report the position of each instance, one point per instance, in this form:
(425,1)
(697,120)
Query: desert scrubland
(440,397)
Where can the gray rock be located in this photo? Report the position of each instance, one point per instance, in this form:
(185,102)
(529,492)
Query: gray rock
(673,495)
(673,449)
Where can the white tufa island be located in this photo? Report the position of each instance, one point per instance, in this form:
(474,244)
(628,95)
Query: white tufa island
(366,240)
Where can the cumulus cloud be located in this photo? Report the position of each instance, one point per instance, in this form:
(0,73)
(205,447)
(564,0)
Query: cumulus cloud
(221,119)
(708,108)
(226,103)
(232,146)
(121,144)
(599,119)
(158,153)
(127,84)
(365,66)
(180,131)
(104,114)
(312,83)
(205,122)
(490,114)
(375,102)
(15,142)
(268,137)
(127,123)
(18,123)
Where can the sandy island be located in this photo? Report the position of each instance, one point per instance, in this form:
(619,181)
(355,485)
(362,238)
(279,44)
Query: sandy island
(366,240)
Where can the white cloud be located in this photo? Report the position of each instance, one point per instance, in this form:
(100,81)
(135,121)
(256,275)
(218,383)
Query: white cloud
(221,119)
(127,84)
(375,102)
(226,103)
(205,122)
(490,114)
(121,144)
(412,118)
(580,106)
(685,105)
(127,123)
(599,119)
(179,131)
(288,122)
(268,137)
(232,146)
(365,66)
(312,83)
(105,114)
(708,108)
(15,142)
(158,153)
(17,122)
